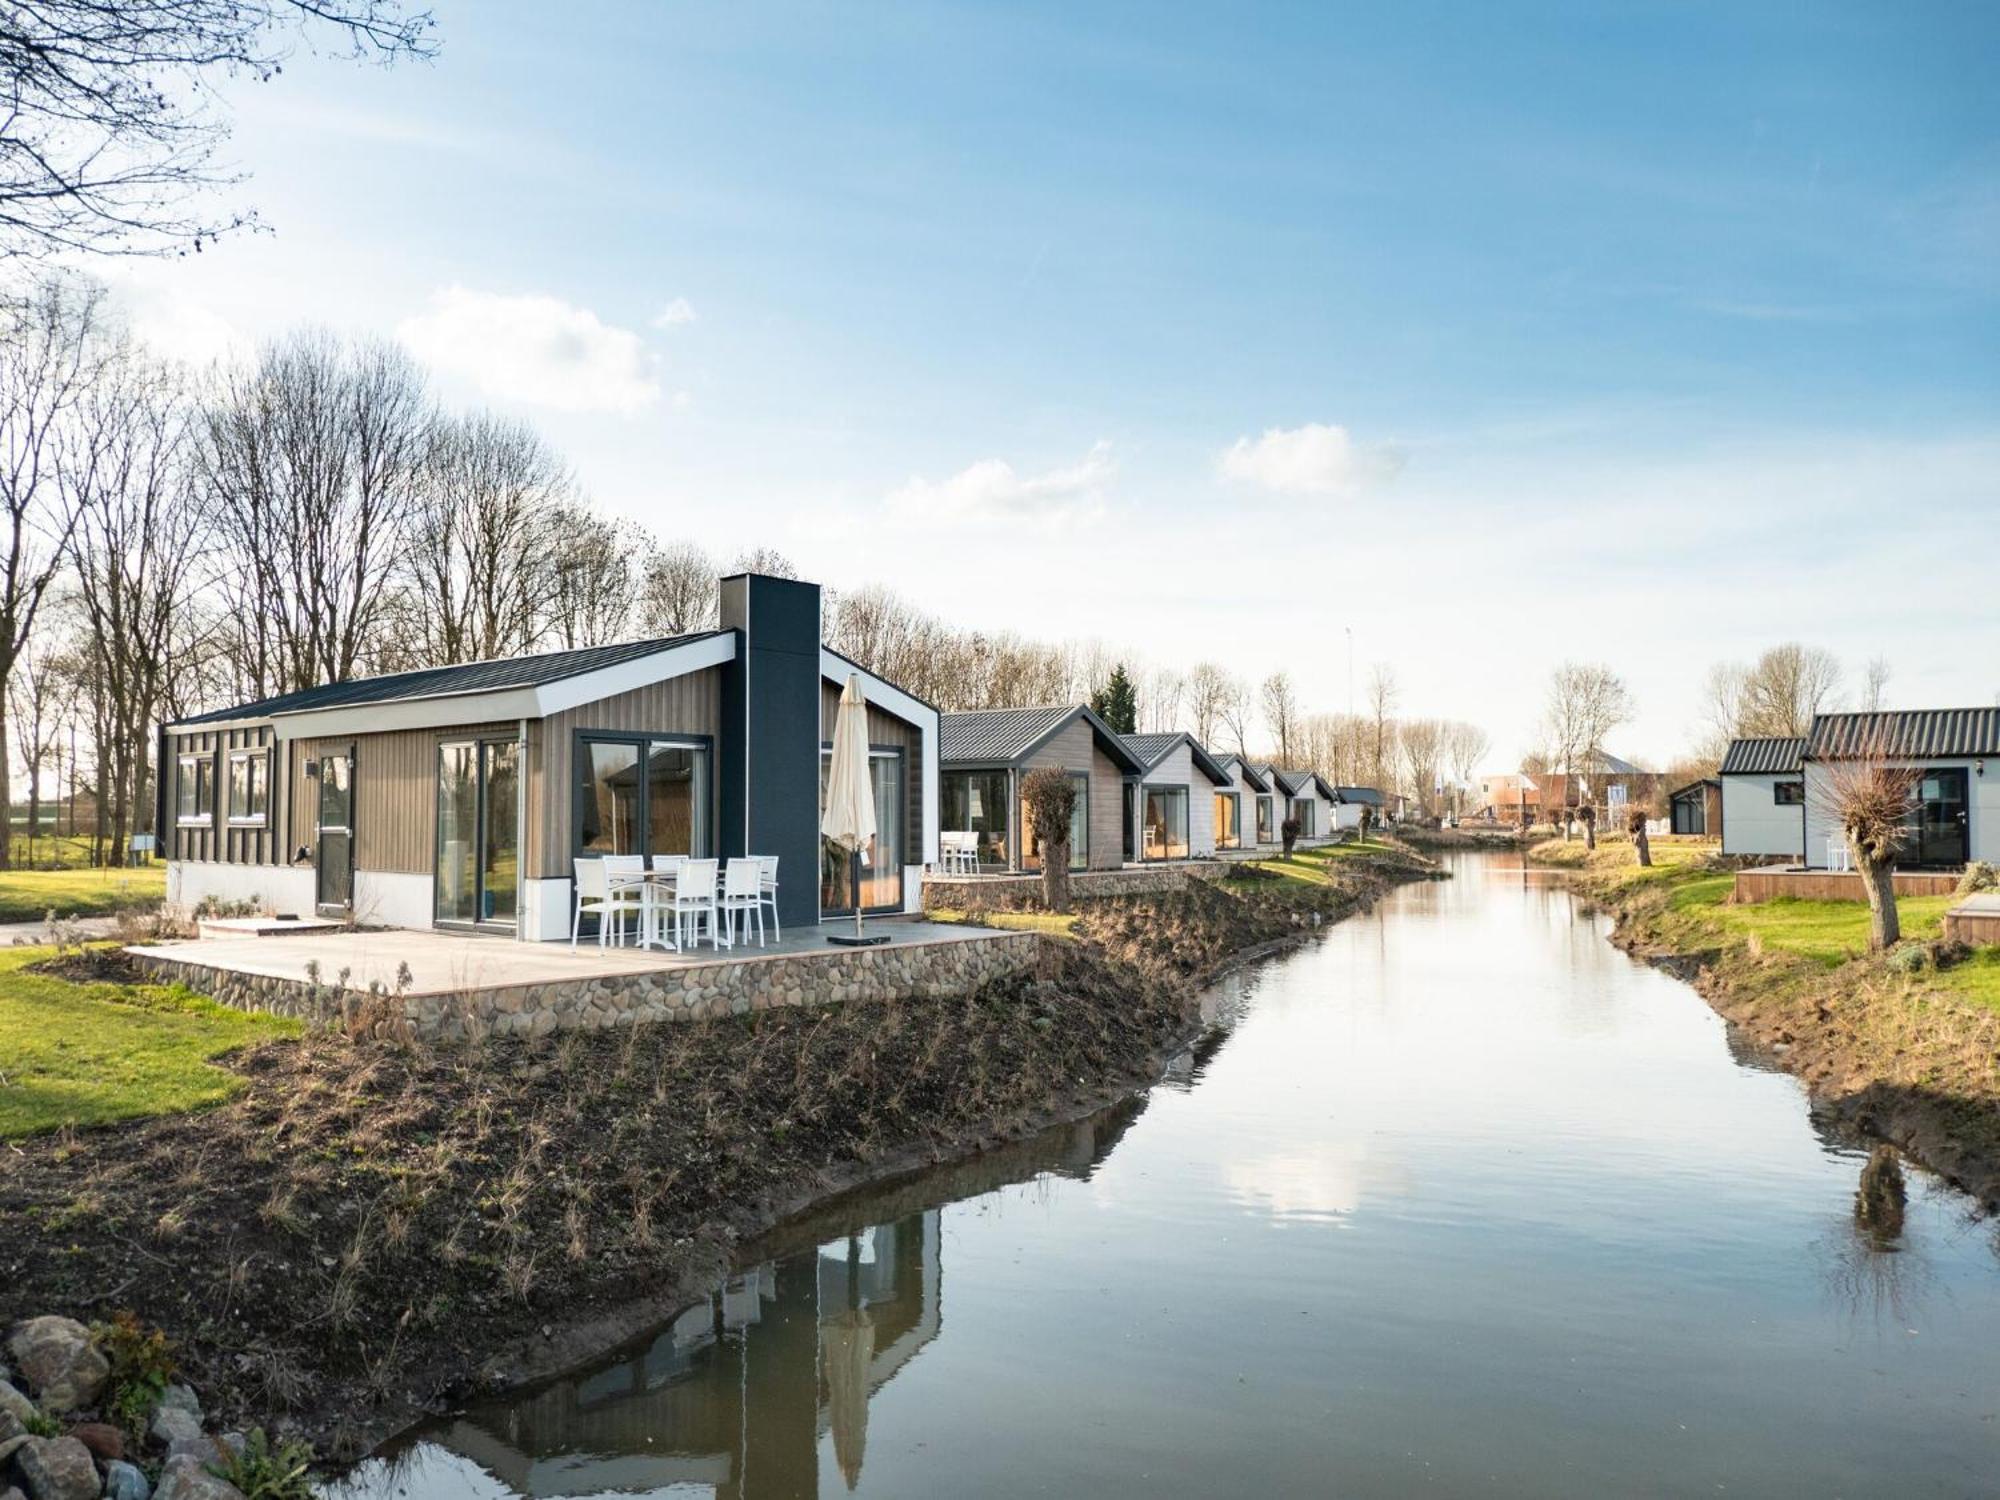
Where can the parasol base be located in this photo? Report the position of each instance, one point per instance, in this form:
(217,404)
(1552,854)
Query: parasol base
(848,940)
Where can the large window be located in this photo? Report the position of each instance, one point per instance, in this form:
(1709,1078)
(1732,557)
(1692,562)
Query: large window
(1307,812)
(194,790)
(641,795)
(1228,821)
(1079,828)
(1166,822)
(976,802)
(1267,826)
(882,857)
(249,787)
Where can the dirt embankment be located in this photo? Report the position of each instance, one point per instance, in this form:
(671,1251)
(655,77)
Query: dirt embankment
(369,1232)
(1885,1053)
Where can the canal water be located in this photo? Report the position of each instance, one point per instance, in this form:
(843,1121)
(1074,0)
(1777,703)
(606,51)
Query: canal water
(1459,1200)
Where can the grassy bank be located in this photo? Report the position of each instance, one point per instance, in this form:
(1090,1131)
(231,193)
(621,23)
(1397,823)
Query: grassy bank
(388,1229)
(30,895)
(1900,1046)
(91,1054)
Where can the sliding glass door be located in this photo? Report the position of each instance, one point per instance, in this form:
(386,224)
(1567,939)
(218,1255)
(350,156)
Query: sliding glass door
(478,833)
(882,857)
(1228,820)
(1079,828)
(976,802)
(1166,822)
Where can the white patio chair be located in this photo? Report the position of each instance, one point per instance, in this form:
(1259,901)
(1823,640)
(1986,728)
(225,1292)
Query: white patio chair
(767,892)
(742,901)
(1838,857)
(625,880)
(693,899)
(591,895)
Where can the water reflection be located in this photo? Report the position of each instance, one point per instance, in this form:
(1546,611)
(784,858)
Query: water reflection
(1458,1198)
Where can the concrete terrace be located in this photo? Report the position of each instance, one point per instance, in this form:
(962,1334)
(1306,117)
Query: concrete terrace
(449,963)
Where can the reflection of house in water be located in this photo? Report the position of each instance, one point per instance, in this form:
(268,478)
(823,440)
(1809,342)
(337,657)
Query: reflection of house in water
(735,1395)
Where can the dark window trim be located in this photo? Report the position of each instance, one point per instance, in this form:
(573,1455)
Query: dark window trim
(480,805)
(580,737)
(198,760)
(1187,819)
(1778,799)
(1237,799)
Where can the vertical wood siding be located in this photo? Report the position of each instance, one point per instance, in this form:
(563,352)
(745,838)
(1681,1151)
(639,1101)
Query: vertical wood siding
(1075,749)
(215,841)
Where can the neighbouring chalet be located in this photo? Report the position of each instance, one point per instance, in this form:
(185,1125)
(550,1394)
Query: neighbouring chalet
(1764,798)
(1309,797)
(1954,810)
(1173,808)
(985,755)
(1696,809)
(1349,802)
(1246,810)
(459,797)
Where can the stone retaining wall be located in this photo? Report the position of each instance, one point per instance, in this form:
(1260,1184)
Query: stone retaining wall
(690,992)
(963,892)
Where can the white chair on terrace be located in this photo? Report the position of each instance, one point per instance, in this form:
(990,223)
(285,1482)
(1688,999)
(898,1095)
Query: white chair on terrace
(668,864)
(625,879)
(592,895)
(1838,857)
(767,893)
(742,898)
(693,899)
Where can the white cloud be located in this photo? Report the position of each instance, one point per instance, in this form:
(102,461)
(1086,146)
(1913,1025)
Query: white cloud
(538,350)
(675,313)
(1316,459)
(991,490)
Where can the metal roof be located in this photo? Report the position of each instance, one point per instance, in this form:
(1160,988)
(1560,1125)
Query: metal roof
(1250,772)
(1002,736)
(1358,795)
(441,682)
(1762,757)
(1693,786)
(1920,734)
(1154,748)
(1293,782)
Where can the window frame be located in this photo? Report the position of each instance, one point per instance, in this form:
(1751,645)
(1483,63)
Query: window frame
(1779,788)
(196,761)
(258,758)
(641,739)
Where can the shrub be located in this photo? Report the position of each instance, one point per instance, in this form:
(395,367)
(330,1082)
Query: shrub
(1049,796)
(264,1472)
(1978,876)
(1289,832)
(142,1366)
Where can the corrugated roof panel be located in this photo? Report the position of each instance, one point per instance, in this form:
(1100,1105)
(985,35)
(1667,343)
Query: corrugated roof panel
(1921,734)
(1762,756)
(997,735)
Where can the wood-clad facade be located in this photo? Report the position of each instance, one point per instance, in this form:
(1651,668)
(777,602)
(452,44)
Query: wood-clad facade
(1075,748)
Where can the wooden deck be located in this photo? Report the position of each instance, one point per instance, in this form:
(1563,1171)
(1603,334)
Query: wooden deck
(1828,885)
(1975,921)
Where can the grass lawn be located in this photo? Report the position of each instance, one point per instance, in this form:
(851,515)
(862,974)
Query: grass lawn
(1977,979)
(1058,924)
(1309,866)
(29,895)
(89,1054)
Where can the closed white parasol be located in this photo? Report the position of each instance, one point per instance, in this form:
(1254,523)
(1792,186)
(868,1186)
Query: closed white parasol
(849,819)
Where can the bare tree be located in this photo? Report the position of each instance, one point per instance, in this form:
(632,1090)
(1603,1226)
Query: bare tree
(1422,742)
(1875,685)
(42,683)
(1720,710)
(111,126)
(133,550)
(53,346)
(484,541)
(677,594)
(1161,700)
(1211,692)
(1280,705)
(1383,695)
(1787,687)
(590,600)
(1586,701)
(312,458)
(1235,716)
(766,560)
(1870,793)
(1465,746)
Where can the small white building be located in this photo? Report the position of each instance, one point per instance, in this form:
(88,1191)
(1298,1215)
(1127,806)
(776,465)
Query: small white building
(1174,807)
(1349,802)
(1764,798)
(1307,796)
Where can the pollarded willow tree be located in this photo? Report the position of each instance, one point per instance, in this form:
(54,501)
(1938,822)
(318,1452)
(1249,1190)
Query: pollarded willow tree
(1869,789)
(1048,797)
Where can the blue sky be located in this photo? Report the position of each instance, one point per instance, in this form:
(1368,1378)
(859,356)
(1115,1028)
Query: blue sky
(1653,334)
